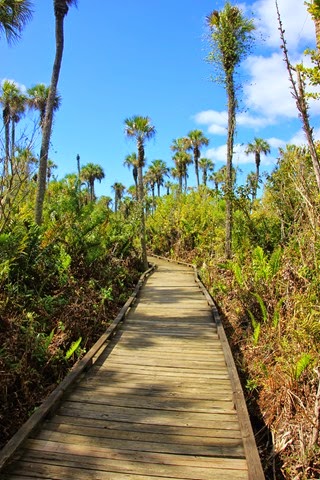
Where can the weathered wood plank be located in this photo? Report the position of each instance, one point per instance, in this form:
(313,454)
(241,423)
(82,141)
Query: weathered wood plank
(217,448)
(136,401)
(146,457)
(105,424)
(38,470)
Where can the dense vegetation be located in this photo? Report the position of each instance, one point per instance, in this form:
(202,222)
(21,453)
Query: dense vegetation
(65,271)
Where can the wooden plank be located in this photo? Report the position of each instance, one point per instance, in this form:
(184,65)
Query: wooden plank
(133,433)
(156,457)
(136,401)
(218,448)
(151,416)
(182,430)
(83,472)
(211,393)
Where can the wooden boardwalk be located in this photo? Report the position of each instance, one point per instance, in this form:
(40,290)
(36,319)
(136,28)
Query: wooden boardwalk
(162,401)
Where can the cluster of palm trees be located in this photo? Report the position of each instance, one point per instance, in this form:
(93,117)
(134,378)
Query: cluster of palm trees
(186,151)
(14,103)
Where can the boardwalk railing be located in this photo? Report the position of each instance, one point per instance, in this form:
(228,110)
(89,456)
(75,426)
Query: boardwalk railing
(162,398)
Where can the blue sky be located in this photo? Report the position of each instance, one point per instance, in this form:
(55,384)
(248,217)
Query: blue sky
(147,57)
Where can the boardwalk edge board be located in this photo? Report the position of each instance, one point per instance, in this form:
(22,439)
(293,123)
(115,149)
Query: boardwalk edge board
(51,402)
(255,470)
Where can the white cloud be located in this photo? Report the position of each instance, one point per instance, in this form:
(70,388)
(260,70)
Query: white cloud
(297,23)
(269,92)
(217,122)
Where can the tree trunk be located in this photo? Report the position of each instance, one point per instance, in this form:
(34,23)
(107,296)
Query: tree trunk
(141,206)
(47,126)
(229,181)
(196,167)
(6,121)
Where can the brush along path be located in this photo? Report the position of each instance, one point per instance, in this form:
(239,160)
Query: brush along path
(157,404)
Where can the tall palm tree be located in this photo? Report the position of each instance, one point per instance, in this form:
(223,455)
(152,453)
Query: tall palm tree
(257,147)
(61,8)
(119,190)
(207,166)
(230,36)
(37,100)
(14,15)
(131,161)
(90,173)
(196,140)
(141,129)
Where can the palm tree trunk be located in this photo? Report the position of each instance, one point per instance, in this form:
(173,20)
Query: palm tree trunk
(141,206)
(196,167)
(229,183)
(6,120)
(47,126)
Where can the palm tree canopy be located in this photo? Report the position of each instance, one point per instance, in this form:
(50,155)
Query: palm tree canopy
(14,15)
(61,7)
(195,140)
(9,98)
(258,146)
(141,129)
(131,160)
(179,144)
(92,172)
(38,96)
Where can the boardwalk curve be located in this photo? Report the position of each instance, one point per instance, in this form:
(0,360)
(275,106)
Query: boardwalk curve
(162,401)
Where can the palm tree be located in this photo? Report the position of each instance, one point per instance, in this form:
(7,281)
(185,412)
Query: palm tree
(230,36)
(159,170)
(141,129)
(207,166)
(37,100)
(181,159)
(61,8)
(257,147)
(13,103)
(195,140)
(131,161)
(14,15)
(118,189)
(18,107)
(90,173)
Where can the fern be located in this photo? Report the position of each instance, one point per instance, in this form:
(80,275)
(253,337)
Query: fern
(303,362)
(74,346)
(263,308)
(275,261)
(276,313)
(256,329)
(237,270)
(48,340)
